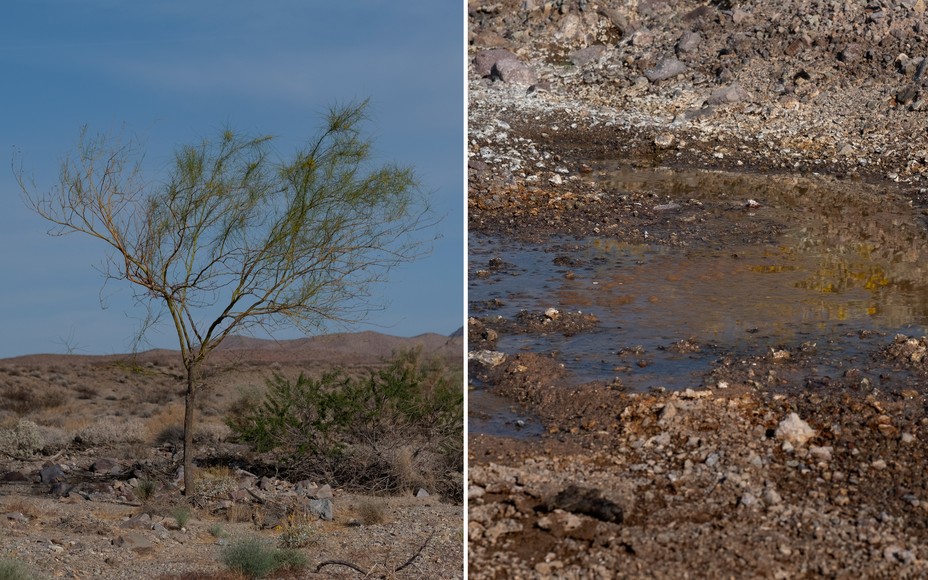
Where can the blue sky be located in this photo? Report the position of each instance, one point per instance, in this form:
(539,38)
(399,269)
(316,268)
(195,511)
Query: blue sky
(175,71)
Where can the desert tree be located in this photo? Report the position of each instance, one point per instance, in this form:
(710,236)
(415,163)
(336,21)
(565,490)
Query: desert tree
(236,236)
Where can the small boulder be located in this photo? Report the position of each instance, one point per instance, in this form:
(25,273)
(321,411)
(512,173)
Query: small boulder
(665,69)
(52,474)
(794,430)
(322,508)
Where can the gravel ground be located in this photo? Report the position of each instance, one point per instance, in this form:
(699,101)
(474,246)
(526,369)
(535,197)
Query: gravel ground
(768,477)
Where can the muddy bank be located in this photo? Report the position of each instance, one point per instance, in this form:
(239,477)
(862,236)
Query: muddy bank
(792,442)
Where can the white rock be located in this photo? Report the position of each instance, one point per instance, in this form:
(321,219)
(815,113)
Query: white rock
(794,430)
(821,453)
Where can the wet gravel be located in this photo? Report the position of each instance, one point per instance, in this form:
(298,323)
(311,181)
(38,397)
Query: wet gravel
(792,461)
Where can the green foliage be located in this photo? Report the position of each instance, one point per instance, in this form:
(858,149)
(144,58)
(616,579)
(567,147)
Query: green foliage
(236,236)
(254,559)
(181,515)
(399,427)
(13,570)
(145,489)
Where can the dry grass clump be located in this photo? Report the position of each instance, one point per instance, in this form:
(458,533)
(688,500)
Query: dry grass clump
(372,511)
(28,398)
(111,431)
(21,439)
(211,433)
(24,505)
(215,482)
(238,513)
(298,531)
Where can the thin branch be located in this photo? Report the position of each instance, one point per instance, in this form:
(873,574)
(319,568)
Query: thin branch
(357,568)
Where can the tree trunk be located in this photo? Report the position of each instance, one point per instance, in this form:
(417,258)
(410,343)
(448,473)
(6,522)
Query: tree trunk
(188,430)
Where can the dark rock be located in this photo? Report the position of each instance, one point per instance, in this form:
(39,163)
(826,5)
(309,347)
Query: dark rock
(588,502)
(851,53)
(619,21)
(906,94)
(14,476)
(61,489)
(52,474)
(270,516)
(665,69)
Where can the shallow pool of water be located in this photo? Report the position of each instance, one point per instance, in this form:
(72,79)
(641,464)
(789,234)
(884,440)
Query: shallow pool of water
(845,261)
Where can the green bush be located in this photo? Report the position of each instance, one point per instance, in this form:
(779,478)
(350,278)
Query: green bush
(399,427)
(255,559)
(181,515)
(13,570)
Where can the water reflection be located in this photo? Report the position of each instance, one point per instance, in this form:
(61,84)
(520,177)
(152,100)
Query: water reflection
(845,260)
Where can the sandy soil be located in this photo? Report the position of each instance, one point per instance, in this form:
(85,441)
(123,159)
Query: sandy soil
(764,468)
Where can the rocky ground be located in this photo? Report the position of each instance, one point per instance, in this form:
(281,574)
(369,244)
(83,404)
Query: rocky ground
(99,495)
(764,469)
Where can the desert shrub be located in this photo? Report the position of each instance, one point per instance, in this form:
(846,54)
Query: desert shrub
(54,439)
(254,559)
(217,531)
(371,511)
(297,532)
(108,431)
(14,570)
(181,515)
(145,489)
(22,439)
(173,434)
(24,399)
(215,482)
(397,428)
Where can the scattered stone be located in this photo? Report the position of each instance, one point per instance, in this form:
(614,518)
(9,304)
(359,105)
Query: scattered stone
(667,68)
(733,93)
(17,517)
(689,42)
(821,453)
(106,465)
(136,542)
(586,55)
(663,140)
(422,493)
